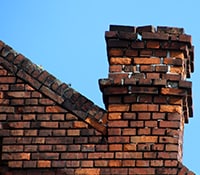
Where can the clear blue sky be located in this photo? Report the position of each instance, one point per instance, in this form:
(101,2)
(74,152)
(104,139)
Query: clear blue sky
(66,37)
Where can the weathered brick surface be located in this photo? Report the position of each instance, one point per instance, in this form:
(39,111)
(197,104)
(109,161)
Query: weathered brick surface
(146,96)
(49,128)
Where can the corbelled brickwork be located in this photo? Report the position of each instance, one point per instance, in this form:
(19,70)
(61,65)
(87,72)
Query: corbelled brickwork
(147,95)
(49,128)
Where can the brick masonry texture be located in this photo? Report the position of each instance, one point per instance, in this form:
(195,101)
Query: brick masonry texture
(49,128)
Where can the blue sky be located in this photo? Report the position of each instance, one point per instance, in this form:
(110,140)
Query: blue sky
(66,37)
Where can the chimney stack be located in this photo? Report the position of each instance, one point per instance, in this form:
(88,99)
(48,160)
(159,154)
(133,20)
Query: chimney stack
(147,96)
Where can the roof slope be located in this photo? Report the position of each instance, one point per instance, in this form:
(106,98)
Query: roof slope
(46,83)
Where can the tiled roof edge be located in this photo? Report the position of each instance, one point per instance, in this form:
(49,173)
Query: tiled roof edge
(46,83)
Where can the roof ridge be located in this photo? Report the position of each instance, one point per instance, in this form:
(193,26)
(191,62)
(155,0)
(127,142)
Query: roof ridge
(49,85)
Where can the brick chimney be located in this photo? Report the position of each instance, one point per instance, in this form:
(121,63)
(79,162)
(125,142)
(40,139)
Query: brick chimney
(148,97)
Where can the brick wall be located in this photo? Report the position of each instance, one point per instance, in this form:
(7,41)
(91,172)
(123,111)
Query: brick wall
(49,128)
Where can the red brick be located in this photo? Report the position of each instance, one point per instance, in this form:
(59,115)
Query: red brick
(150,155)
(166,139)
(7,109)
(144,131)
(146,53)
(29,117)
(29,164)
(73,156)
(130,99)
(58,164)
(129,116)
(142,171)
(156,163)
(115,68)
(38,140)
(30,148)
(173,91)
(144,139)
(158,131)
(128,155)
(145,98)
(114,116)
(169,124)
(118,108)
(73,163)
(100,163)
(171,108)
(170,163)
(114,163)
(146,60)
(122,139)
(8,80)
(148,28)
(115,90)
(46,148)
(155,36)
(136,124)
(128,163)
(144,147)
(144,116)
(102,147)
(153,75)
(127,35)
(114,131)
(79,124)
(12,148)
(114,99)
(129,131)
(117,43)
(115,52)
(172,147)
(131,53)
(49,124)
(144,107)
(32,132)
(144,90)
(137,44)
(111,34)
(19,124)
(173,117)
(16,133)
(14,164)
(142,163)
(130,147)
(122,28)
(115,147)
(70,132)
(88,148)
(171,171)
(158,147)
(87,163)
(153,44)
(63,148)
(44,164)
(157,115)
(16,156)
(146,68)
(151,124)
(167,155)
(101,155)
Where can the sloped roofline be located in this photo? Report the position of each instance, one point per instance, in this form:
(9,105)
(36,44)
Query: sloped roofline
(47,84)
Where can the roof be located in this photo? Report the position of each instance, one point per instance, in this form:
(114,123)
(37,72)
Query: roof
(47,84)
